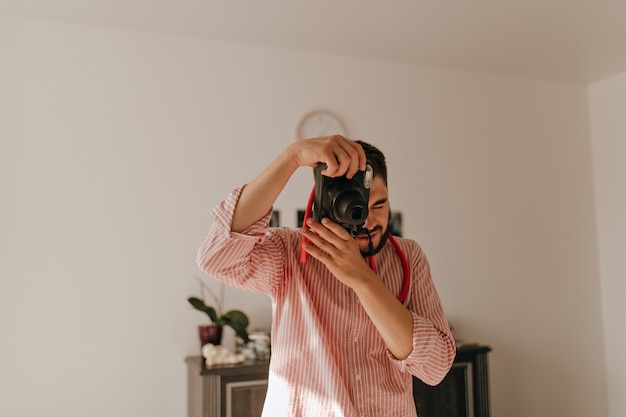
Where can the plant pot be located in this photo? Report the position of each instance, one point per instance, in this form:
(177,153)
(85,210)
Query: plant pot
(210,333)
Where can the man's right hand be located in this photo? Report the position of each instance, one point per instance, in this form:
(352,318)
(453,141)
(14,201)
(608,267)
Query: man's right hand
(342,156)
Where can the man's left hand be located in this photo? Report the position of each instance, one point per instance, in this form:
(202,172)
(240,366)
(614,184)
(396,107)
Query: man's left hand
(332,245)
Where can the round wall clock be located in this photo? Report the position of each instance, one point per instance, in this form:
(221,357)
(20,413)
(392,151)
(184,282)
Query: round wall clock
(319,123)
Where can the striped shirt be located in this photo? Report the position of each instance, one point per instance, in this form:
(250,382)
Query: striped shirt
(328,359)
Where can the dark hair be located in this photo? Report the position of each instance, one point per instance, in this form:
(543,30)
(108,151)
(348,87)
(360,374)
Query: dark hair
(376,159)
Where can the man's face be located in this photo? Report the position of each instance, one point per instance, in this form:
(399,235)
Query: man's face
(377,218)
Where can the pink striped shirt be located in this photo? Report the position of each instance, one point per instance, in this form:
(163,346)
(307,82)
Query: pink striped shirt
(328,359)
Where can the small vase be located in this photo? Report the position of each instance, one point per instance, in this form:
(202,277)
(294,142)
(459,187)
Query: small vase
(210,333)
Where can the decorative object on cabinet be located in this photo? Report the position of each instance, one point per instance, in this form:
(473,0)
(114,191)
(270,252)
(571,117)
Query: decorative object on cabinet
(210,333)
(259,346)
(464,392)
(239,390)
(216,355)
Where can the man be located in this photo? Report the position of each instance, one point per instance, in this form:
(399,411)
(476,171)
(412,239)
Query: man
(342,343)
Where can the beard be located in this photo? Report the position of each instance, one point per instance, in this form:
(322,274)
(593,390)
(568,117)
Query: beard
(383,239)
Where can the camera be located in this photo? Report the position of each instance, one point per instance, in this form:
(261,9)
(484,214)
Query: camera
(344,201)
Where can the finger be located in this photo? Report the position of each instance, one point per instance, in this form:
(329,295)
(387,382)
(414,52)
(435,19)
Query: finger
(342,156)
(315,252)
(336,229)
(345,163)
(328,230)
(317,240)
(327,150)
(337,161)
(317,246)
(357,157)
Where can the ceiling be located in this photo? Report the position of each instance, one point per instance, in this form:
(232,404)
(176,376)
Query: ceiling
(577,41)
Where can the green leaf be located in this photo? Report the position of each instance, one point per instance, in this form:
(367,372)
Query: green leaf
(199,304)
(238,317)
(238,320)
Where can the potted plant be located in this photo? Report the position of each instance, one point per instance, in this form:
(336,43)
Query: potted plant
(236,319)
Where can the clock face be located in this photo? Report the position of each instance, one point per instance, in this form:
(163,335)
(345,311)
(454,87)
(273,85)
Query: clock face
(320,123)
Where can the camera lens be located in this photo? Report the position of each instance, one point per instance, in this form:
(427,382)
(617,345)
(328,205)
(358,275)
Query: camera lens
(357,212)
(349,208)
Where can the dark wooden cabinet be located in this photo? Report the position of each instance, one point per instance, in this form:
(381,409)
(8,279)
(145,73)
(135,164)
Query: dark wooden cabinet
(226,391)
(464,392)
(239,390)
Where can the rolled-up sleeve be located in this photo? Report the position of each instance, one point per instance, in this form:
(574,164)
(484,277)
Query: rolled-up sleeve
(434,347)
(432,355)
(250,260)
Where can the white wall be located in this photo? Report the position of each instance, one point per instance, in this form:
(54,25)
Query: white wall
(607,104)
(118,143)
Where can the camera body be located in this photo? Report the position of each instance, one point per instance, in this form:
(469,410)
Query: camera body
(344,201)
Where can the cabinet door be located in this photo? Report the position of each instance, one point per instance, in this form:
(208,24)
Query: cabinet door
(453,397)
(245,398)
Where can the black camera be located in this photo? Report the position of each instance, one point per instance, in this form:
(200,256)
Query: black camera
(344,201)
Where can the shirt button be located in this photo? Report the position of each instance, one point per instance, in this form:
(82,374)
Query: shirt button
(358,377)
(355,339)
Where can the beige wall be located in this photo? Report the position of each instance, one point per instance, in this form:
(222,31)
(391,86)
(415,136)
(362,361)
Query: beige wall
(118,143)
(607,104)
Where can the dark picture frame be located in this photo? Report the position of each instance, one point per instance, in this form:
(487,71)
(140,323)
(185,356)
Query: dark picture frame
(275,219)
(395,223)
(300,217)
